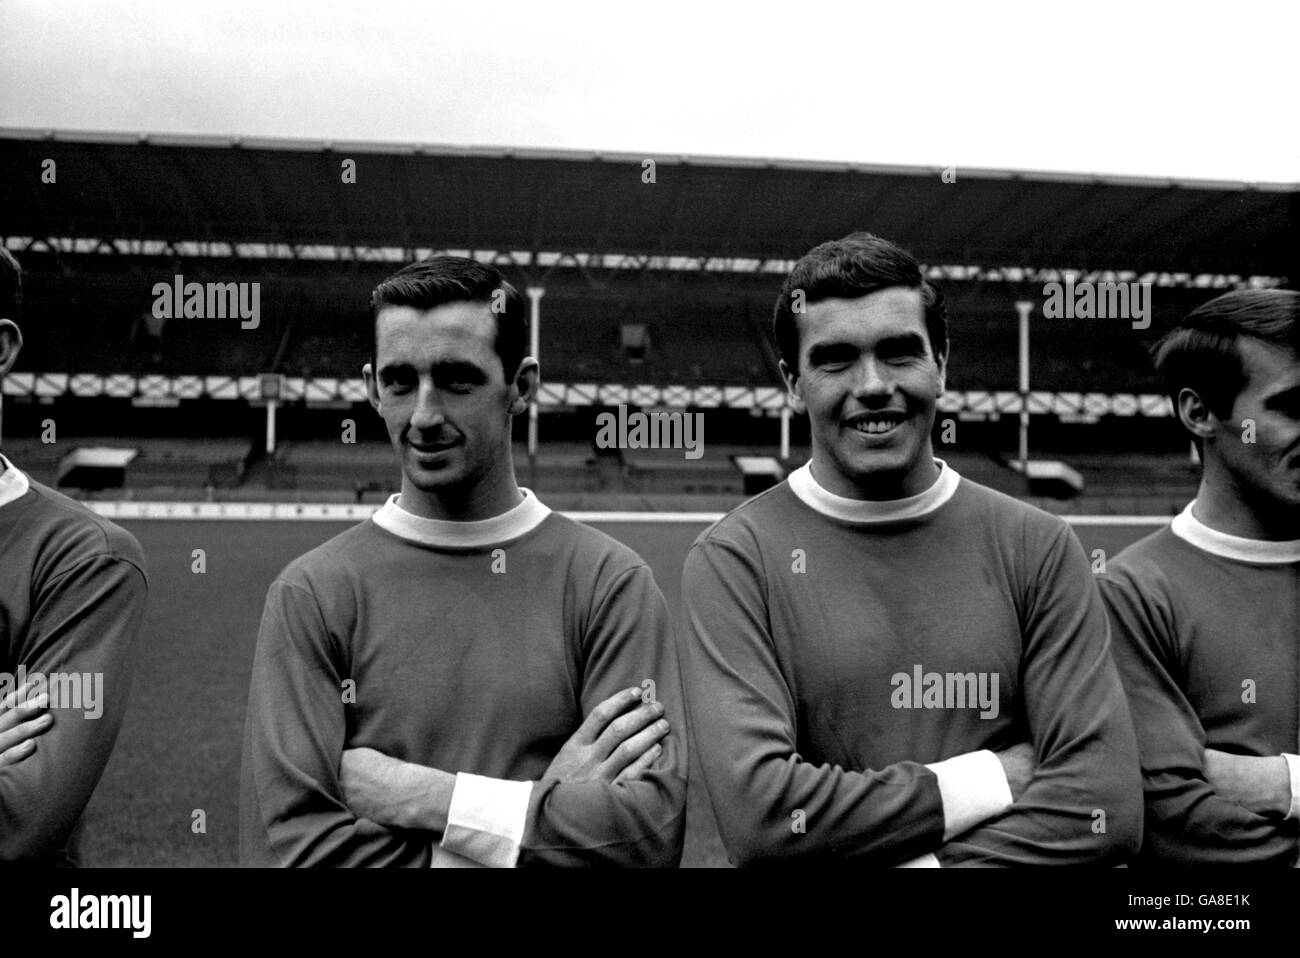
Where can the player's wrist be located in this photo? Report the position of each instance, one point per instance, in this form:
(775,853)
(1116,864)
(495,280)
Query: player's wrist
(430,799)
(422,797)
(1283,782)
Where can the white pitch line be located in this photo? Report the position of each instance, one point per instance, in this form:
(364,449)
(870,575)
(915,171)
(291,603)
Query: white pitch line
(353,512)
(660,517)
(1118,520)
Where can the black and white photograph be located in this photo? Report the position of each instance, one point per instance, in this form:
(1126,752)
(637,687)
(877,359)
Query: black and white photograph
(799,438)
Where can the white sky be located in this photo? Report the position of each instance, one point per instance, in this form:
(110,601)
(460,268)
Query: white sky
(1158,89)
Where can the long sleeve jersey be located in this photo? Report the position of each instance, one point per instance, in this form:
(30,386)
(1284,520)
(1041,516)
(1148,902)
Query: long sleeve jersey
(1207,637)
(72,598)
(473,648)
(840,655)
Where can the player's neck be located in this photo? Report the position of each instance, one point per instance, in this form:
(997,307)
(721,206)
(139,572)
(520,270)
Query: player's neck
(1226,509)
(484,501)
(885,487)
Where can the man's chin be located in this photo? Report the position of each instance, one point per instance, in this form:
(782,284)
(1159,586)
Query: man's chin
(888,469)
(434,478)
(880,463)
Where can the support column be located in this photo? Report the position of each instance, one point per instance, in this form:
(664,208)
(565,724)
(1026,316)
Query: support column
(271,405)
(535,294)
(1024,308)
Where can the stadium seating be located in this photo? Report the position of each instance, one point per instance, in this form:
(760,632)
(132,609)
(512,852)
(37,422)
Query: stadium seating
(181,462)
(91,314)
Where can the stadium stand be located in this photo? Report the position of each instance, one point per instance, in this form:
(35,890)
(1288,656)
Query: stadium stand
(708,332)
(667,285)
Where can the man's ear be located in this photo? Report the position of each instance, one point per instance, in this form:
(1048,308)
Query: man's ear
(941,361)
(793,388)
(11,342)
(372,388)
(1195,415)
(523,388)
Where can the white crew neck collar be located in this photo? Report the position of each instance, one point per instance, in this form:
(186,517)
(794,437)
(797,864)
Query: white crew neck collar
(13,482)
(815,496)
(1261,551)
(449,534)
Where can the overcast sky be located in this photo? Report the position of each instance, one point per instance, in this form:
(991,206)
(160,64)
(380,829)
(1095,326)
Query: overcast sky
(1157,89)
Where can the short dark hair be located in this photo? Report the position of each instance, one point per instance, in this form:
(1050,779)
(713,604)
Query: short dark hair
(859,264)
(1201,352)
(457,279)
(11,286)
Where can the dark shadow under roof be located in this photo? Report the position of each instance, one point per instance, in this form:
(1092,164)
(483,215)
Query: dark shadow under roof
(178,188)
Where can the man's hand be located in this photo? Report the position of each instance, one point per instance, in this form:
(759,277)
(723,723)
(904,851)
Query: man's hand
(21,721)
(394,793)
(1262,785)
(1018,764)
(612,744)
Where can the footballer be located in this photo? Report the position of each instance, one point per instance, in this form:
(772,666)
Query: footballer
(884,661)
(72,597)
(1206,611)
(467,678)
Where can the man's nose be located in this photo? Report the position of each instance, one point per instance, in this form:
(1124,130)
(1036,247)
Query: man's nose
(427,414)
(872,378)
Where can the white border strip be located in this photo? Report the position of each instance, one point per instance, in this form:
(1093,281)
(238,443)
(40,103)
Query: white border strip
(352,512)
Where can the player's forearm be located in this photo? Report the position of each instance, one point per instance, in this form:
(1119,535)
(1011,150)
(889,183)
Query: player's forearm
(1188,822)
(782,809)
(1083,803)
(1082,807)
(639,823)
(289,820)
(1193,826)
(1262,784)
(773,806)
(82,641)
(43,796)
(333,840)
(33,827)
(413,797)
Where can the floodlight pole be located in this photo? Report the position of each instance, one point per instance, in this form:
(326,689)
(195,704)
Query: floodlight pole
(270,426)
(535,294)
(785,431)
(1024,308)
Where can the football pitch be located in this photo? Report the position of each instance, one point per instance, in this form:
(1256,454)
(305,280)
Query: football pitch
(179,748)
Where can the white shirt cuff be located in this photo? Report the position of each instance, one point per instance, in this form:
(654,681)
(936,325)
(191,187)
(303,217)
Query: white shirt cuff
(486,820)
(1293,766)
(445,859)
(973,788)
(922,861)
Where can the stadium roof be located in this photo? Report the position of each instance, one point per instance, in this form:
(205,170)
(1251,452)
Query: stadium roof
(196,188)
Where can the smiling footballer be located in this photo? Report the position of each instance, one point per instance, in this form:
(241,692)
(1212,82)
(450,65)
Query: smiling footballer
(847,629)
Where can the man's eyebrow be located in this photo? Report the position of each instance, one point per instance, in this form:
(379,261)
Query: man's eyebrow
(823,351)
(457,367)
(442,367)
(388,370)
(904,341)
(899,341)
